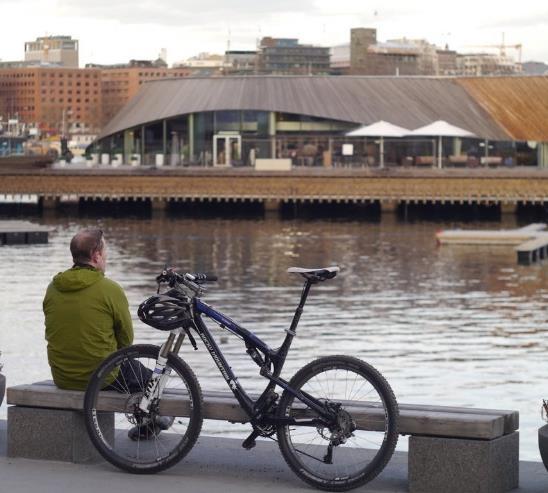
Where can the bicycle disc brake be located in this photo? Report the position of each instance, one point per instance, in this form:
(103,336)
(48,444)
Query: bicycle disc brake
(135,415)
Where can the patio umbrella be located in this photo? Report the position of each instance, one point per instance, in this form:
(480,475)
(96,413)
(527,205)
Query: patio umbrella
(380,129)
(441,128)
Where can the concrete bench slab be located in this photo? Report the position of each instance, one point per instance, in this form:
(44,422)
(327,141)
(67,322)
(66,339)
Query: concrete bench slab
(414,419)
(480,445)
(2,387)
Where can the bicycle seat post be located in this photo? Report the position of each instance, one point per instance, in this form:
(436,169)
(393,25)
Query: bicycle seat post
(292,331)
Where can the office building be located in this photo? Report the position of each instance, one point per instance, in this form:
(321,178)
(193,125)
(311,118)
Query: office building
(286,56)
(58,99)
(57,50)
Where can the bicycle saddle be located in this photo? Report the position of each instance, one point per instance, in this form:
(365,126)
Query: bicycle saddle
(315,275)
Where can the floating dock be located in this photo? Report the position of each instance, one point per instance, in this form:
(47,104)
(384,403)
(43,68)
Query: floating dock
(531,241)
(22,232)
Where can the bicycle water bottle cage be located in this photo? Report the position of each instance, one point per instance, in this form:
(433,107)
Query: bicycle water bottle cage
(315,275)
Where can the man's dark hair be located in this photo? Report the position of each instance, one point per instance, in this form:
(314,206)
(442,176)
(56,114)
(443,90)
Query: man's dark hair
(85,243)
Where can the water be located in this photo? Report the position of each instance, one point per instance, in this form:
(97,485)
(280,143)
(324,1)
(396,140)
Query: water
(448,325)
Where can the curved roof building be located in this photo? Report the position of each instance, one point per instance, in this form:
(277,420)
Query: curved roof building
(196,116)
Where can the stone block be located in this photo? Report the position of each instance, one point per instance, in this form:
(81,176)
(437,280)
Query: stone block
(52,434)
(2,387)
(543,444)
(452,465)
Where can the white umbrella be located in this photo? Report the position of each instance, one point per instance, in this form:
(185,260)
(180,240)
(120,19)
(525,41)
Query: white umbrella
(441,128)
(380,129)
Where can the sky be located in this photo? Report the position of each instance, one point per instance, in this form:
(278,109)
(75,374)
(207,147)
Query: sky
(115,31)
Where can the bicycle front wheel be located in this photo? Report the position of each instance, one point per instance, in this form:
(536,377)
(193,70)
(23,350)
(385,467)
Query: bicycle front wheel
(352,449)
(126,437)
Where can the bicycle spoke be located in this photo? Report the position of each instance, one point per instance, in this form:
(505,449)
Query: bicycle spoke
(337,454)
(144,439)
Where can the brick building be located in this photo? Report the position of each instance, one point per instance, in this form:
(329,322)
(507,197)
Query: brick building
(119,83)
(62,100)
(58,99)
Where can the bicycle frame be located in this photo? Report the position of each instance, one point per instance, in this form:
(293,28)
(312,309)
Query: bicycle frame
(270,363)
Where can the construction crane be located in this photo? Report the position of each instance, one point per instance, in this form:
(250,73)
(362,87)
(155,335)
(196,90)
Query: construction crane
(502,48)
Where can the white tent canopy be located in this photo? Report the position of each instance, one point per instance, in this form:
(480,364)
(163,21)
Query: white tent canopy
(441,128)
(379,129)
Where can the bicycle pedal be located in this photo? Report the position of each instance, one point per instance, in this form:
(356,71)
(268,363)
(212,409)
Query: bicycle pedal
(250,442)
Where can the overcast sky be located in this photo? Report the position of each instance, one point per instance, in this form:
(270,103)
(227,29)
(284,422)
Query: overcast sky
(114,31)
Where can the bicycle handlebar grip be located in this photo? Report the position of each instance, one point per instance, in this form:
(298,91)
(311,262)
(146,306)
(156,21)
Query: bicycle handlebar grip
(201,277)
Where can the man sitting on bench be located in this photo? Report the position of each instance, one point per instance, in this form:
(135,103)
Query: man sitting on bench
(87,319)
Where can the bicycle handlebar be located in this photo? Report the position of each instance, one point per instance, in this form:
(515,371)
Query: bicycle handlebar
(171,277)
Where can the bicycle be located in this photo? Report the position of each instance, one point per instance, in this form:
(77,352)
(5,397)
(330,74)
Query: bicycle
(316,422)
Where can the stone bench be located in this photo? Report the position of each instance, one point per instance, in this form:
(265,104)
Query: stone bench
(451,449)
(2,386)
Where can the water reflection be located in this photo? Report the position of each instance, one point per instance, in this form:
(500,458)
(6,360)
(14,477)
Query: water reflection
(451,325)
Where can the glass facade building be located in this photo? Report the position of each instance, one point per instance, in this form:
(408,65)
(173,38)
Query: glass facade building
(237,121)
(228,138)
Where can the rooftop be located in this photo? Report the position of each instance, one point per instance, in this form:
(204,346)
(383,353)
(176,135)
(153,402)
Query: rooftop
(475,104)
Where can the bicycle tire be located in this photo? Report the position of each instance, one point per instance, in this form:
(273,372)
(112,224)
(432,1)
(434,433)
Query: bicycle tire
(305,448)
(118,447)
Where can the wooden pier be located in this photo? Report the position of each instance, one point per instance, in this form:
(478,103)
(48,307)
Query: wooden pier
(22,232)
(506,188)
(531,241)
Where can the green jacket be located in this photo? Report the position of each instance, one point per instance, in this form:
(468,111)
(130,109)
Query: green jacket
(87,319)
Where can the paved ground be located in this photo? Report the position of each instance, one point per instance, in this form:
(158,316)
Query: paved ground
(214,465)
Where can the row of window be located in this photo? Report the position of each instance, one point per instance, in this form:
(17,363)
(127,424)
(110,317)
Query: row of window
(69,100)
(115,83)
(69,91)
(16,84)
(21,109)
(70,75)
(10,94)
(77,75)
(18,101)
(60,84)
(162,74)
(111,91)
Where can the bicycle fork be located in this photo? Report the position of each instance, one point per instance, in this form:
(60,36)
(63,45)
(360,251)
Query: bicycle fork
(160,375)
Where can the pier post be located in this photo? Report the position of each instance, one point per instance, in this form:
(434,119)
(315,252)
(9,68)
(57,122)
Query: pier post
(158,205)
(48,203)
(508,208)
(389,206)
(272,206)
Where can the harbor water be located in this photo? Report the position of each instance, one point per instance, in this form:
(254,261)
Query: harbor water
(451,325)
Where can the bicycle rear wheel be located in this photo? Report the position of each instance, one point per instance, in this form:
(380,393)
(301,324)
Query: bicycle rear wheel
(134,441)
(353,450)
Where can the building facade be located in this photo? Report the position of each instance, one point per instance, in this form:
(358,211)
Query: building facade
(177,122)
(365,55)
(57,50)
(478,64)
(58,99)
(281,56)
(204,65)
(241,62)
(119,83)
